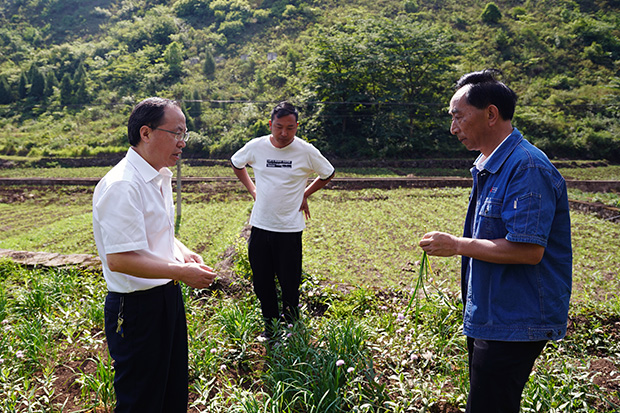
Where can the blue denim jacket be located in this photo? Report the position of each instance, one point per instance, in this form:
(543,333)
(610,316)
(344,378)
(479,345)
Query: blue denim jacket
(520,196)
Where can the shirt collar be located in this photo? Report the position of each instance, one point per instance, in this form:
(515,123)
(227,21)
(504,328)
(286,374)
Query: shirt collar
(493,162)
(146,171)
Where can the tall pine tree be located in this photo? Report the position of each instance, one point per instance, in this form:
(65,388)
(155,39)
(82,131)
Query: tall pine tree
(50,82)
(208,67)
(6,95)
(23,86)
(37,88)
(66,90)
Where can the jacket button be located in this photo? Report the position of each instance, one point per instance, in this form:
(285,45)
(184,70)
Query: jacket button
(550,334)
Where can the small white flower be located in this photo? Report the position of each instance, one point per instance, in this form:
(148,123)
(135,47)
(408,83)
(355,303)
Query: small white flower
(340,363)
(350,369)
(19,354)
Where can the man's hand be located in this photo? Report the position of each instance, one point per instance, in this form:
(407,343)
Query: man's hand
(197,275)
(192,257)
(439,244)
(305,208)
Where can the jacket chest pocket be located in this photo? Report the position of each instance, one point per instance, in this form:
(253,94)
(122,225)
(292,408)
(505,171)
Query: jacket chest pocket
(491,208)
(490,224)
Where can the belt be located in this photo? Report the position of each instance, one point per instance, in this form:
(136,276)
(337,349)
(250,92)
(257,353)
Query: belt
(172,283)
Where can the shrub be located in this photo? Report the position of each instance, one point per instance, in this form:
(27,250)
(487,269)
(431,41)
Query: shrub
(491,14)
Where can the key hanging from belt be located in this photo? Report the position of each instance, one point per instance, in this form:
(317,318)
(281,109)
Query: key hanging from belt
(119,322)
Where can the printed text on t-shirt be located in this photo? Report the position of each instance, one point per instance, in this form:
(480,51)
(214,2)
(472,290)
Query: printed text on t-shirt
(274,163)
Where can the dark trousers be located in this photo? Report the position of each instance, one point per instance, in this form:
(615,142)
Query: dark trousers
(271,255)
(150,351)
(498,372)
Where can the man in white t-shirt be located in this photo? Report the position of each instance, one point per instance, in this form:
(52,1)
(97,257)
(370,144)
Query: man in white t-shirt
(282,164)
(142,261)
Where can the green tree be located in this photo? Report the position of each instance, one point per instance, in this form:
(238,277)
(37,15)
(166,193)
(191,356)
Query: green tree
(162,28)
(31,72)
(411,6)
(50,83)
(174,58)
(491,13)
(378,76)
(81,93)
(37,88)
(80,79)
(66,90)
(6,96)
(208,67)
(195,107)
(80,73)
(193,9)
(23,86)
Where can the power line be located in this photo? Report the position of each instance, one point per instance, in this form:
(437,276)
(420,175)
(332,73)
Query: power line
(319,102)
(214,103)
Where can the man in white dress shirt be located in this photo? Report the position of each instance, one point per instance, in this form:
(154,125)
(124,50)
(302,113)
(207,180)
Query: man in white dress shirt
(143,262)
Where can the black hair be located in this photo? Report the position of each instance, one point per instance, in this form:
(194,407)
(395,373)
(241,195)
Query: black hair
(486,90)
(149,112)
(284,109)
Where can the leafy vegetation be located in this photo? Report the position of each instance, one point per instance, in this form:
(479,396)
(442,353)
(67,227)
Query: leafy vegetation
(379,227)
(71,70)
(360,346)
(365,341)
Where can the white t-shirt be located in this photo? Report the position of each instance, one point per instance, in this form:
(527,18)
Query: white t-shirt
(281,175)
(133,211)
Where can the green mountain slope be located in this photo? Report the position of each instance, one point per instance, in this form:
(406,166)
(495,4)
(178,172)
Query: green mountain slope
(372,78)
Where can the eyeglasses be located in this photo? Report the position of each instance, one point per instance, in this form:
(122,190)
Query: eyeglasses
(179,136)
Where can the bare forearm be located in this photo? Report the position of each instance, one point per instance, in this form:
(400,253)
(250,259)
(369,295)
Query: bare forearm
(317,184)
(138,265)
(245,179)
(194,274)
(498,251)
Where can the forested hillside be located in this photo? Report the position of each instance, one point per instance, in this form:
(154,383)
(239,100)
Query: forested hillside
(373,78)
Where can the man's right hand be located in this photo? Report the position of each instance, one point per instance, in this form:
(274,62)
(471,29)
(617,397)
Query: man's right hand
(198,275)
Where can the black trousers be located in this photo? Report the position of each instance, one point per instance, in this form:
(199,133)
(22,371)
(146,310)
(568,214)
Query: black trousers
(271,255)
(498,372)
(150,349)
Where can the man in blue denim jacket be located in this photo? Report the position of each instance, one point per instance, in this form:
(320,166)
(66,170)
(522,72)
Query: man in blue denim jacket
(516,251)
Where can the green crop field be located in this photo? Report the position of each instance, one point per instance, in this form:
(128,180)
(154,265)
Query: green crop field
(371,345)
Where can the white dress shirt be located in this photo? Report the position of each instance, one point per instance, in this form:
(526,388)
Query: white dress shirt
(133,211)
